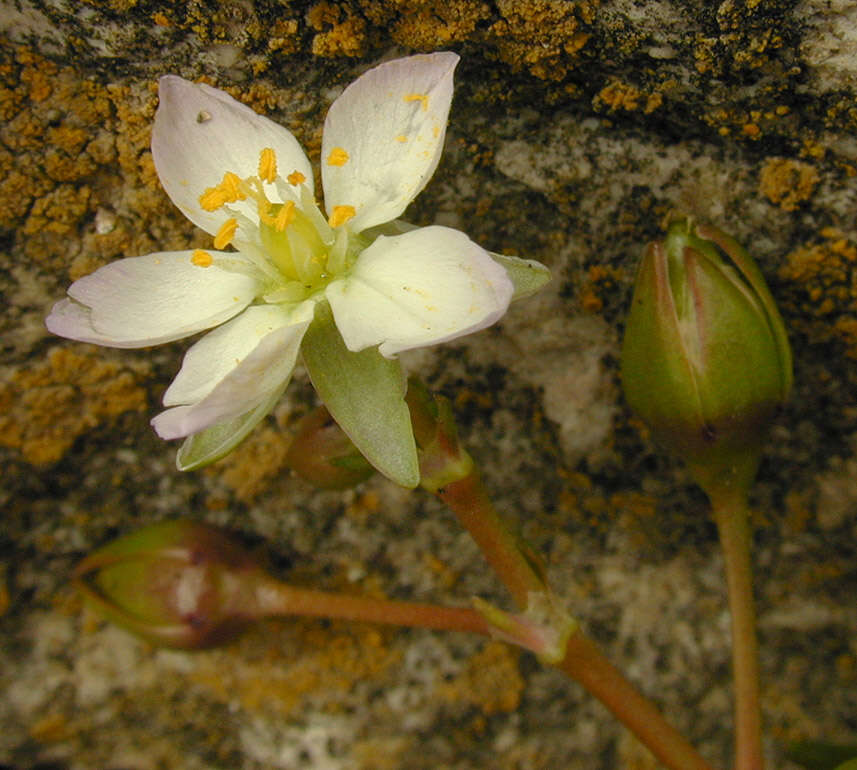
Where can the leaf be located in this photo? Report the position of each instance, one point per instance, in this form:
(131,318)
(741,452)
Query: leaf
(364,392)
(820,755)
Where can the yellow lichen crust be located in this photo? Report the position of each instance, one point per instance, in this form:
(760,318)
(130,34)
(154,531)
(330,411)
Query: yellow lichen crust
(73,153)
(291,664)
(601,281)
(820,300)
(787,182)
(46,406)
(624,96)
(543,37)
(491,681)
(251,468)
(339,30)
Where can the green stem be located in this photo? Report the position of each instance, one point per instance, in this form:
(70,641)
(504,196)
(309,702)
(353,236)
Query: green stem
(583,661)
(273,598)
(731,513)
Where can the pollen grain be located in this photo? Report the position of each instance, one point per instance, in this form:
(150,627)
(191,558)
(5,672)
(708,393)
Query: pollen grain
(201,258)
(337,157)
(421,98)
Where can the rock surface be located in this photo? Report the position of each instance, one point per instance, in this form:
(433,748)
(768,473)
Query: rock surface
(576,127)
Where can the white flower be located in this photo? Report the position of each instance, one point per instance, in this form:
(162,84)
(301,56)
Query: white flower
(348,290)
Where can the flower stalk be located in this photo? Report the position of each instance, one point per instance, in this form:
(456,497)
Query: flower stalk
(189,585)
(706,363)
(521,572)
(731,514)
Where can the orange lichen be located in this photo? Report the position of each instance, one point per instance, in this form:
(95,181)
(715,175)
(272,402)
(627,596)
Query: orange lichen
(624,96)
(44,407)
(787,182)
(283,36)
(336,36)
(821,290)
(541,35)
(430,26)
(55,175)
(253,465)
(601,281)
(490,681)
(278,671)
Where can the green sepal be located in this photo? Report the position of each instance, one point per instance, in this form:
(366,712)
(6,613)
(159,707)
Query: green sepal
(365,393)
(211,444)
(821,755)
(526,275)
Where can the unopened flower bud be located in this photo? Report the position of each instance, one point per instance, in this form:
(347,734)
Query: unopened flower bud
(178,584)
(706,362)
(322,454)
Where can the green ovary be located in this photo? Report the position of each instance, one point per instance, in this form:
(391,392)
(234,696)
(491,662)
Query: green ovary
(296,248)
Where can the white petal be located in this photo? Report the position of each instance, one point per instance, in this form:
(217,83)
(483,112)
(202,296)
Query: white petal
(391,122)
(213,357)
(143,301)
(420,288)
(266,369)
(200,133)
(70,319)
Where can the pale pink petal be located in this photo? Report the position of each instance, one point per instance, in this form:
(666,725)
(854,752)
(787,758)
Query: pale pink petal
(383,137)
(149,300)
(200,133)
(426,286)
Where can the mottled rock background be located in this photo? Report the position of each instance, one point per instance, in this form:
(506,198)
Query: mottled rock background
(576,127)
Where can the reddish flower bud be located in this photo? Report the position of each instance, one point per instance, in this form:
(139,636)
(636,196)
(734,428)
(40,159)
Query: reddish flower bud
(706,361)
(178,584)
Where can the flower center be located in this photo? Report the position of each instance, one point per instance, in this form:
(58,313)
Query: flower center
(305,250)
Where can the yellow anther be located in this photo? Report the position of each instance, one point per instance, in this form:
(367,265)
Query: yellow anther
(228,191)
(231,186)
(201,258)
(295,178)
(213,198)
(340,215)
(285,216)
(337,157)
(401,138)
(268,165)
(421,98)
(225,234)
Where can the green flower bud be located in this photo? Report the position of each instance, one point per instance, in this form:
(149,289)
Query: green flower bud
(322,454)
(705,362)
(178,584)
